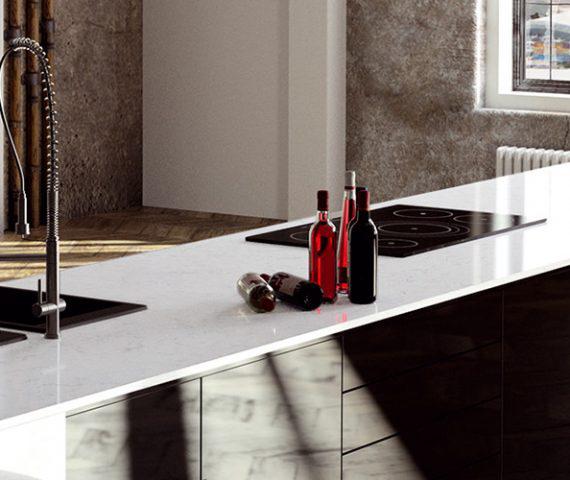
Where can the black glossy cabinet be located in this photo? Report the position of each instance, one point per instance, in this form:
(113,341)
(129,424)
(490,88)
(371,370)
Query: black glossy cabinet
(422,394)
(447,448)
(151,435)
(537,378)
(421,397)
(278,418)
(402,343)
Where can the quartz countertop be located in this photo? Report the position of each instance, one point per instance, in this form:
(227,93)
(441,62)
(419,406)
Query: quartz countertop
(196,321)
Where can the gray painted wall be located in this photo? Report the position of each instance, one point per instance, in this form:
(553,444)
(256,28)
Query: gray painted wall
(414,122)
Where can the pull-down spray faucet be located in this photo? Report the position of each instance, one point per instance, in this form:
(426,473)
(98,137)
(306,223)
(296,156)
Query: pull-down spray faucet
(53,304)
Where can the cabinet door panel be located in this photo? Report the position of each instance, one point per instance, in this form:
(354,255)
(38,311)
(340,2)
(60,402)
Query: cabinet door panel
(444,448)
(421,396)
(154,435)
(537,378)
(277,418)
(413,340)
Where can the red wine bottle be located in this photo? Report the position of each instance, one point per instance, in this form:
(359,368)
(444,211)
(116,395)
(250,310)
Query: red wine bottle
(256,292)
(322,250)
(296,290)
(348,214)
(362,253)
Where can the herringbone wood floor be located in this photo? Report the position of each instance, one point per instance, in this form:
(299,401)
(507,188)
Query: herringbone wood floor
(111,235)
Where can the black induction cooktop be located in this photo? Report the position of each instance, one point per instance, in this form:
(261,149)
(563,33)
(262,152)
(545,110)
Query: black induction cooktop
(405,230)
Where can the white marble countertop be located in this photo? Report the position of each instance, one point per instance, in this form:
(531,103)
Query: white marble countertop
(196,321)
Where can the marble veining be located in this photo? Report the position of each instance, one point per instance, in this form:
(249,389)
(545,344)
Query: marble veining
(196,321)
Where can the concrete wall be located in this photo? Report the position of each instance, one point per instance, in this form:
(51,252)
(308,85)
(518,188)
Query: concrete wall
(414,122)
(99,89)
(239,112)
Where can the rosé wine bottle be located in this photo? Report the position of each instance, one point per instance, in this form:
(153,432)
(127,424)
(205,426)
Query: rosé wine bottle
(348,214)
(322,250)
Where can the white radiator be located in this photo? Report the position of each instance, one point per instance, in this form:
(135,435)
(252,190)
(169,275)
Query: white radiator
(516,160)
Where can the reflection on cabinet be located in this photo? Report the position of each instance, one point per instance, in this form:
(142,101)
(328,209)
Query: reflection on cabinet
(422,393)
(151,435)
(537,378)
(421,338)
(410,400)
(449,447)
(278,418)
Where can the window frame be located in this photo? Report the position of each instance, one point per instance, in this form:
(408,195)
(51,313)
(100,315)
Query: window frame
(520,83)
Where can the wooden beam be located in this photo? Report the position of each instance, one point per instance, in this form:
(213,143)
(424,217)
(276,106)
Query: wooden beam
(48,27)
(48,42)
(16,97)
(33,117)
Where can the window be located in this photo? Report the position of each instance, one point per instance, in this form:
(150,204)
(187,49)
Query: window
(541,46)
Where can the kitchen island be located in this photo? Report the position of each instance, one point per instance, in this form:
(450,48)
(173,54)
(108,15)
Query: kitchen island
(198,386)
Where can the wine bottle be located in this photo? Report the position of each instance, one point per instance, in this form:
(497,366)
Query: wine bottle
(322,250)
(348,214)
(256,292)
(296,291)
(362,253)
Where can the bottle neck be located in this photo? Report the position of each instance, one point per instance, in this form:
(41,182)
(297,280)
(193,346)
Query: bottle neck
(323,215)
(349,193)
(363,215)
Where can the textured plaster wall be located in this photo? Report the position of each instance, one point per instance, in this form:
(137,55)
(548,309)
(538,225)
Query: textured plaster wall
(413,119)
(99,88)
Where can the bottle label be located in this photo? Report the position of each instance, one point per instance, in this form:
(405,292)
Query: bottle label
(285,283)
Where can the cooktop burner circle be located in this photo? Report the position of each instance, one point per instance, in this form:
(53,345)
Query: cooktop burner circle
(302,236)
(479,219)
(396,243)
(423,229)
(422,213)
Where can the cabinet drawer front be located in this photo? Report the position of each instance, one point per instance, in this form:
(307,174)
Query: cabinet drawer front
(421,396)
(154,434)
(444,448)
(409,341)
(278,418)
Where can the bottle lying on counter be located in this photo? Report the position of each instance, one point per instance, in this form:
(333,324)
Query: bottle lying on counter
(256,292)
(296,290)
(362,253)
(322,250)
(348,214)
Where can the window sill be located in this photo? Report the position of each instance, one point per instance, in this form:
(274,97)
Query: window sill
(551,103)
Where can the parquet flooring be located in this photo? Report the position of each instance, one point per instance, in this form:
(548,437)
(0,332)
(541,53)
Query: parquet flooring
(111,235)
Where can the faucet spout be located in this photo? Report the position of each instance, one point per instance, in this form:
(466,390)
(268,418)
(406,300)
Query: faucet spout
(52,307)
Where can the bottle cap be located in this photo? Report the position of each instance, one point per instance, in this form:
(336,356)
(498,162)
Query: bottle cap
(323,200)
(350,179)
(267,302)
(313,298)
(363,199)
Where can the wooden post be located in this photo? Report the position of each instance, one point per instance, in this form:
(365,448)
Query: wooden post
(33,118)
(16,102)
(48,42)
(48,28)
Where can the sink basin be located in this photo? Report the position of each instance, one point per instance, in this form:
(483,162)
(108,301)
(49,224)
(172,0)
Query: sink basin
(16,310)
(10,337)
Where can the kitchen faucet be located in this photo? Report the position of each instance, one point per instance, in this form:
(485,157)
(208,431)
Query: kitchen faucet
(51,306)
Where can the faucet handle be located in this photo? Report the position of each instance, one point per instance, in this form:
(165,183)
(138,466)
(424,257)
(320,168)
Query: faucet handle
(41,298)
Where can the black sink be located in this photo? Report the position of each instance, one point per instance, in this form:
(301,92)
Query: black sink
(11,337)
(16,310)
